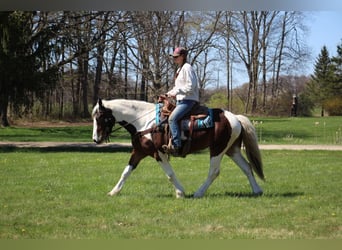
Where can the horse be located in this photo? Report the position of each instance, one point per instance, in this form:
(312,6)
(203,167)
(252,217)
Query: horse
(225,137)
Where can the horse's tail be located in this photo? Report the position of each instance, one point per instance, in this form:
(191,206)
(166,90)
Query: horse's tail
(250,141)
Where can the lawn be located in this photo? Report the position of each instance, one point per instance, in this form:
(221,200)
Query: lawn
(62,195)
(299,130)
(289,130)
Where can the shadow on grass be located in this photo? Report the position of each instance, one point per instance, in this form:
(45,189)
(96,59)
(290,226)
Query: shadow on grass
(239,195)
(251,195)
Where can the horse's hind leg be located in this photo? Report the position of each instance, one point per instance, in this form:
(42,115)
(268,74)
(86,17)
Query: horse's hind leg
(237,157)
(214,171)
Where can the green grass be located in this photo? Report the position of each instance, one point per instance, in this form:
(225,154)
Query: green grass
(290,130)
(61,195)
(50,134)
(299,130)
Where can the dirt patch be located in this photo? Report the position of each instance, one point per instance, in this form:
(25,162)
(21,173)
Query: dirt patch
(50,124)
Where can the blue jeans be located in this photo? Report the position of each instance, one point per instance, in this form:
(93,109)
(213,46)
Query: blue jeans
(182,108)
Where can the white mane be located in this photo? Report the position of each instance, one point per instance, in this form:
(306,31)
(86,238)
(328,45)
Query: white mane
(139,113)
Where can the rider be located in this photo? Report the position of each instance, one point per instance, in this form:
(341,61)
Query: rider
(186,93)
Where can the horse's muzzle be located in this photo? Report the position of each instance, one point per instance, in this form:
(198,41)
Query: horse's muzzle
(97,142)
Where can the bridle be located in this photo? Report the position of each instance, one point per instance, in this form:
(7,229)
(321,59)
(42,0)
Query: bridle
(105,121)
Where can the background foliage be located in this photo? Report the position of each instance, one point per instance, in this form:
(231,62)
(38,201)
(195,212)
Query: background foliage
(56,64)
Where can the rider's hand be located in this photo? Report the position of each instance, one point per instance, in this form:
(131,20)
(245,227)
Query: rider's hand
(161,98)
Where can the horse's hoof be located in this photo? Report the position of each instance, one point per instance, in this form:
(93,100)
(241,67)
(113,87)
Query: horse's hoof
(196,195)
(257,194)
(165,149)
(111,193)
(180,195)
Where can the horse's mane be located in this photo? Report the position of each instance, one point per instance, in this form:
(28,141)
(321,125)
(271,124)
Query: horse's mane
(140,113)
(112,103)
(126,102)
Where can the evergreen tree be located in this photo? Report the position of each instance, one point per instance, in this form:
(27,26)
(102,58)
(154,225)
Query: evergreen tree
(322,79)
(334,103)
(23,61)
(337,65)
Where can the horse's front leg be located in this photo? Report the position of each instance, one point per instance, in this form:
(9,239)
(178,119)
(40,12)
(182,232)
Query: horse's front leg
(125,174)
(165,165)
(214,171)
(133,162)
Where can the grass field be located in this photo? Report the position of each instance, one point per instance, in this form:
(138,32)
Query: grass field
(65,133)
(299,130)
(62,195)
(290,130)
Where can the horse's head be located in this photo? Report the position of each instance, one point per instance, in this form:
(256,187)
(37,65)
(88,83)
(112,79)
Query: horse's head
(103,121)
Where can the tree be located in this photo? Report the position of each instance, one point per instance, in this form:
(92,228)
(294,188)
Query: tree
(334,103)
(269,43)
(337,64)
(322,79)
(229,55)
(200,35)
(25,67)
(218,100)
(152,36)
(100,53)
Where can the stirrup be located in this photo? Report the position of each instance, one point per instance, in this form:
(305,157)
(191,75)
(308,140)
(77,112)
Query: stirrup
(170,149)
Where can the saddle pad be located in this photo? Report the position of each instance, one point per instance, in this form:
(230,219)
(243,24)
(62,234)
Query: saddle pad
(202,123)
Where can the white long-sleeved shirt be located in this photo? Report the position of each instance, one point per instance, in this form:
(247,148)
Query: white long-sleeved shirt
(186,84)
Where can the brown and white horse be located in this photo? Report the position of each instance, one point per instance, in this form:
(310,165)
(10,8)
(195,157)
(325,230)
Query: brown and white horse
(224,138)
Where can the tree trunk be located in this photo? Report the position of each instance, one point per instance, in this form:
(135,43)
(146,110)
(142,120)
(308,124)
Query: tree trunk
(126,70)
(3,111)
(280,55)
(84,82)
(98,74)
(229,61)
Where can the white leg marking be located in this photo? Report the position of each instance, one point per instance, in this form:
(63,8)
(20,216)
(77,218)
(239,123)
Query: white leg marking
(214,171)
(125,174)
(95,138)
(170,174)
(244,166)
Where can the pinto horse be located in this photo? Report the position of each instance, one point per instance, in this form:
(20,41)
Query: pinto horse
(224,138)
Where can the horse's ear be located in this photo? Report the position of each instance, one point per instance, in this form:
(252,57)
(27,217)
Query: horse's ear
(101,107)
(99,101)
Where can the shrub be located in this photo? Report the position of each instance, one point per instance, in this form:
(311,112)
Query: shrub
(334,106)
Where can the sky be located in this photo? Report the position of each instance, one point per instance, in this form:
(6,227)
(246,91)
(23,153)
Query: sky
(325,28)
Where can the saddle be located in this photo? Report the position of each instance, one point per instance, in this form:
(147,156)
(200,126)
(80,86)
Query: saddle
(169,104)
(200,117)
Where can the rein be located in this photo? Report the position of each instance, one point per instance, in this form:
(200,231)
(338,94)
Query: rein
(153,128)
